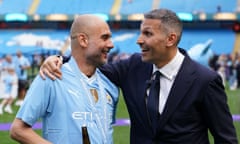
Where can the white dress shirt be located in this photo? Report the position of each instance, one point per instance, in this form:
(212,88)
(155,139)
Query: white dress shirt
(169,72)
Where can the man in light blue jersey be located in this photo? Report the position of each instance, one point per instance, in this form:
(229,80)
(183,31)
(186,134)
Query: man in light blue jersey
(84,96)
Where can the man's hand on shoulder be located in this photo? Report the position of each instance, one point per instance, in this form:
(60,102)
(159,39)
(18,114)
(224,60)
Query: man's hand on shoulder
(51,67)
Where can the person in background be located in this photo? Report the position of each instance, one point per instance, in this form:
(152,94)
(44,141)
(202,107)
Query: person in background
(192,100)
(84,96)
(7,62)
(10,93)
(22,65)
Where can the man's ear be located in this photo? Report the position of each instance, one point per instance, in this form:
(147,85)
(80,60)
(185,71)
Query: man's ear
(172,39)
(83,40)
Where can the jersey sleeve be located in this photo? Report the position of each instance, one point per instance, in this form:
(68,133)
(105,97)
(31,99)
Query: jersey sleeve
(36,102)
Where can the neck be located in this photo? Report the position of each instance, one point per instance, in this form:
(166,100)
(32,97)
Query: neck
(168,57)
(86,68)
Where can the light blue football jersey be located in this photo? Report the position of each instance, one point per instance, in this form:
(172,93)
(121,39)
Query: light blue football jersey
(68,104)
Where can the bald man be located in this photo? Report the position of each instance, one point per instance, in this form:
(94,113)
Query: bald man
(84,96)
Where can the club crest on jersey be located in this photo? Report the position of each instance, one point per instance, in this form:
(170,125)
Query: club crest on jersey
(109,99)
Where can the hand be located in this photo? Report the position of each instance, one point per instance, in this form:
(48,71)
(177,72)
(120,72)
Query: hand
(51,68)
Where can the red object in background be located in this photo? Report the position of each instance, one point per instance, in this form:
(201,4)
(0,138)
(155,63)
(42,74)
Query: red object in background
(236,27)
(3,25)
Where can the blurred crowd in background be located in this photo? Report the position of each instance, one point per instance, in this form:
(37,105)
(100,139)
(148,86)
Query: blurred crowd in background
(15,78)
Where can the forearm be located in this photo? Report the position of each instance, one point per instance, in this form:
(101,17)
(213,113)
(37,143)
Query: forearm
(25,134)
(30,137)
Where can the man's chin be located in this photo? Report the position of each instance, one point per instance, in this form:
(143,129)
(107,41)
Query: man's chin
(145,59)
(101,63)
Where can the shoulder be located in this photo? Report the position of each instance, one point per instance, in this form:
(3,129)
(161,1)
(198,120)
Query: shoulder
(107,83)
(203,72)
(67,69)
(39,83)
(136,57)
(135,60)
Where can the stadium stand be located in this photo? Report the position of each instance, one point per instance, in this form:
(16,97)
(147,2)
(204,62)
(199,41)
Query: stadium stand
(14,6)
(124,6)
(222,40)
(32,41)
(135,7)
(74,6)
(195,6)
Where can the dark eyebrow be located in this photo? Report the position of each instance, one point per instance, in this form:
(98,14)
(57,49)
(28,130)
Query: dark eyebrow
(147,29)
(106,36)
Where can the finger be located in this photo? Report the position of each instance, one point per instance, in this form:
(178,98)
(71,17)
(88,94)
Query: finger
(47,70)
(52,66)
(41,73)
(43,70)
(58,72)
(58,75)
(49,74)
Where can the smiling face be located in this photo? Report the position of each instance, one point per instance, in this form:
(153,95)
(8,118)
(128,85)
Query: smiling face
(91,40)
(99,44)
(153,41)
(160,32)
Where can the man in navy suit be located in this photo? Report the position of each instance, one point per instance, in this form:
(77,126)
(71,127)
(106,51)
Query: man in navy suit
(192,100)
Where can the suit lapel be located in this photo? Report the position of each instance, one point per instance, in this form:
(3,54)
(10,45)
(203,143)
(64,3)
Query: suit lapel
(181,85)
(143,78)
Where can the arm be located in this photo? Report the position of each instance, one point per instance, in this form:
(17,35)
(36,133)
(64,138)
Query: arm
(217,114)
(23,133)
(36,103)
(51,67)
(118,72)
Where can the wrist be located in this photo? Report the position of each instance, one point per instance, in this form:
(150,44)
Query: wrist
(60,57)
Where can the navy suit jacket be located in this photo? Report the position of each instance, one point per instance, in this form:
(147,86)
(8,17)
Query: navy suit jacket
(196,103)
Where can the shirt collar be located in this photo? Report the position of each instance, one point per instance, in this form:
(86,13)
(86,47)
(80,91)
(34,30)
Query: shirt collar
(90,80)
(171,69)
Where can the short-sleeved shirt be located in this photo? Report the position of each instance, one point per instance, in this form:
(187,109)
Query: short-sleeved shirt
(66,105)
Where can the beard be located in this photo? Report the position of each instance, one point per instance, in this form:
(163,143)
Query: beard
(96,60)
